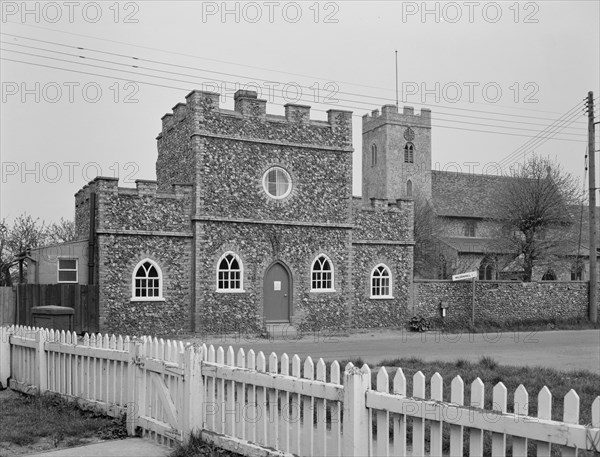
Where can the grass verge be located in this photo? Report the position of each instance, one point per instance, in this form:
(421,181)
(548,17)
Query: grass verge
(198,448)
(585,383)
(37,423)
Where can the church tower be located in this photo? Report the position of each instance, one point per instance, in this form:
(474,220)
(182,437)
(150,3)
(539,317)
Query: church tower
(396,150)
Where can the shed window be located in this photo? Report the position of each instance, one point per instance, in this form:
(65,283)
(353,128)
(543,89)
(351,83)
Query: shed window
(67,270)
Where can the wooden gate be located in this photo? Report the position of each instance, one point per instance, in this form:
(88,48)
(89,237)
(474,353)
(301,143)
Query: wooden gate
(159,378)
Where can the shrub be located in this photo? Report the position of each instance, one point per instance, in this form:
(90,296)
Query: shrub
(419,324)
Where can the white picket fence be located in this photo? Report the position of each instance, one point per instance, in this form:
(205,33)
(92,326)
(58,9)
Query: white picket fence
(248,404)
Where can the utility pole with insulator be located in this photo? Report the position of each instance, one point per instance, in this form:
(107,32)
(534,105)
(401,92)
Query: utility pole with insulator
(593,295)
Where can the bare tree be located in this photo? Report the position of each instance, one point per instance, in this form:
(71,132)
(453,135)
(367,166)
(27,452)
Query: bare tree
(25,234)
(60,232)
(534,209)
(427,230)
(5,255)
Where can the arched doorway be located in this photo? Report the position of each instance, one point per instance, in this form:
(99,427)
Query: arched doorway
(277,293)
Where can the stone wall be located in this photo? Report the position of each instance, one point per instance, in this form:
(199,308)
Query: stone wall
(119,255)
(133,225)
(383,233)
(258,246)
(502,301)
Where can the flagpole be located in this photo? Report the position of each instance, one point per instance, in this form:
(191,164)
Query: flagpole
(397,79)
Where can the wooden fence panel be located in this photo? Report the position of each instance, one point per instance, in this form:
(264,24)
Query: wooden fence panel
(82,298)
(8,310)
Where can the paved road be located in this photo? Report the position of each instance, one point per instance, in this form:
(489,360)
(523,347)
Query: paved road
(129,447)
(563,350)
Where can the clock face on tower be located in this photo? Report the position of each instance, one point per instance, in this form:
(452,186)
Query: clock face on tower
(409,134)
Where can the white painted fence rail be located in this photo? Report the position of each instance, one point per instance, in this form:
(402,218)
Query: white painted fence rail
(256,405)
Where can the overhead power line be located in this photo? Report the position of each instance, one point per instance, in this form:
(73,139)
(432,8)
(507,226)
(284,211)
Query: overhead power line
(137,60)
(188,82)
(551,131)
(173,52)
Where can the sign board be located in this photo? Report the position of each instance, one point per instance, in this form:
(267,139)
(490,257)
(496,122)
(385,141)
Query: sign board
(469,275)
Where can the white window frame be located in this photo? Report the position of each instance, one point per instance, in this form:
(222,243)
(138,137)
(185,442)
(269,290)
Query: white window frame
(160,282)
(312,271)
(76,270)
(389,272)
(266,186)
(241,270)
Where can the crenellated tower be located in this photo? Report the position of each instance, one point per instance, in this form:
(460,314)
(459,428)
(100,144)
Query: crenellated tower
(396,160)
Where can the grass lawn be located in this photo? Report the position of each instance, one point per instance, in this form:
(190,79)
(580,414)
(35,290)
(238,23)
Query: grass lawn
(41,423)
(585,383)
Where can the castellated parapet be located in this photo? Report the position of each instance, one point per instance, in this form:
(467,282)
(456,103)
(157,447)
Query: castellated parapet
(143,208)
(390,115)
(203,111)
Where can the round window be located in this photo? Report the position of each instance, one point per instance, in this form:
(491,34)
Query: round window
(277,182)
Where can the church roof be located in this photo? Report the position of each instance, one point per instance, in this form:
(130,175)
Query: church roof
(464,194)
(475,245)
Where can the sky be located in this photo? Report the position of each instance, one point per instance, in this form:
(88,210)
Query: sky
(84,84)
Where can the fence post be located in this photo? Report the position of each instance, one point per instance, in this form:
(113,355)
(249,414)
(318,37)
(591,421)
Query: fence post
(42,362)
(193,392)
(356,424)
(5,333)
(132,400)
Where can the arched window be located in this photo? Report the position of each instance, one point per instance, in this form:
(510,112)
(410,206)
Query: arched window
(147,281)
(469,228)
(409,153)
(486,272)
(549,276)
(577,271)
(381,282)
(322,274)
(409,188)
(443,268)
(230,273)
(373,155)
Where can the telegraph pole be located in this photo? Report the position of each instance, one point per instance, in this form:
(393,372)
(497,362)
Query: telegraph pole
(593,295)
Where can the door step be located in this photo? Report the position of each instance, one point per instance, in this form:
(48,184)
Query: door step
(282,331)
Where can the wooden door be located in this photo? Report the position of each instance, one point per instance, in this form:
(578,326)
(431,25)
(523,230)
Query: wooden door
(277,293)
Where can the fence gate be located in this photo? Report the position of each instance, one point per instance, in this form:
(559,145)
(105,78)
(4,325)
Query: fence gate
(159,386)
